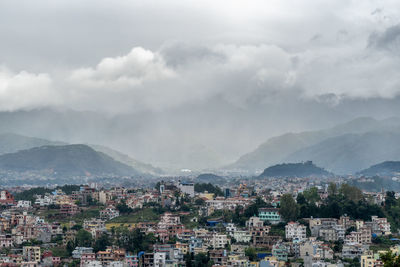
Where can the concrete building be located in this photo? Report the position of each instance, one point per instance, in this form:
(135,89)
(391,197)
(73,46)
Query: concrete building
(294,230)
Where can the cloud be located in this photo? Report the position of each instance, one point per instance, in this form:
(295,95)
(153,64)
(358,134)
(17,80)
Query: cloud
(131,70)
(245,55)
(181,74)
(25,90)
(389,39)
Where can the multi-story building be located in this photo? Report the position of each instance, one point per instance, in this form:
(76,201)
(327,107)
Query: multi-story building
(362,236)
(294,230)
(270,215)
(380,225)
(6,198)
(31,253)
(186,188)
(219,240)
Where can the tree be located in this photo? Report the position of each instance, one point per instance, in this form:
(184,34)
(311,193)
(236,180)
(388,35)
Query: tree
(251,253)
(351,192)
(135,240)
(70,247)
(202,259)
(123,208)
(199,202)
(332,189)
(390,199)
(311,195)
(390,259)
(288,208)
(83,238)
(102,242)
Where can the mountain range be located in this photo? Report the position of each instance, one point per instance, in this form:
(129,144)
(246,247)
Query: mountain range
(11,143)
(344,149)
(64,160)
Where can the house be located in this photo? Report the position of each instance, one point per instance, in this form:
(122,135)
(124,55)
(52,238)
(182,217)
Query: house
(87,257)
(78,251)
(24,204)
(270,215)
(280,251)
(109,213)
(31,253)
(68,209)
(6,198)
(294,230)
(186,188)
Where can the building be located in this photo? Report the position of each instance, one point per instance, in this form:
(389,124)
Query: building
(254,222)
(79,251)
(31,253)
(68,209)
(362,236)
(109,213)
(294,230)
(270,215)
(86,258)
(24,204)
(186,188)
(6,198)
(380,225)
(219,240)
(280,251)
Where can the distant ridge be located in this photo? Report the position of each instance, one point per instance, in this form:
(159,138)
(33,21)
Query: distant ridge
(66,160)
(11,143)
(304,169)
(123,158)
(342,149)
(382,169)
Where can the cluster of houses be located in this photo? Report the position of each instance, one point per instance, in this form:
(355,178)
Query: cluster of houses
(27,239)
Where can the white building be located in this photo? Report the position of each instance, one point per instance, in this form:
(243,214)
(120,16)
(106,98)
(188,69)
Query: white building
(219,240)
(24,204)
(242,236)
(44,201)
(159,259)
(187,188)
(294,230)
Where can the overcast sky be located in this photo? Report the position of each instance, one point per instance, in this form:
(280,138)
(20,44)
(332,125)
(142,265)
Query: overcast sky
(256,68)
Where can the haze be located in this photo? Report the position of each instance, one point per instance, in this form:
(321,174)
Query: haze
(194,84)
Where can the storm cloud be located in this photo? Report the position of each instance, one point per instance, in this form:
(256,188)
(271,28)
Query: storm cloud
(267,66)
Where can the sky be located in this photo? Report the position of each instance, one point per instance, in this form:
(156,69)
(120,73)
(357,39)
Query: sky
(220,75)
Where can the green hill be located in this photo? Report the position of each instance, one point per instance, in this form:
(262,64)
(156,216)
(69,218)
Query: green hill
(66,160)
(383,169)
(305,169)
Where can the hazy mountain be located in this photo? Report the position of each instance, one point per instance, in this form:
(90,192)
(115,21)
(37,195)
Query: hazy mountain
(384,168)
(294,147)
(10,142)
(304,169)
(167,143)
(123,158)
(350,153)
(67,160)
